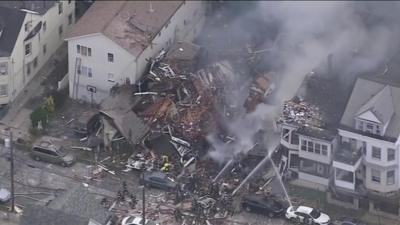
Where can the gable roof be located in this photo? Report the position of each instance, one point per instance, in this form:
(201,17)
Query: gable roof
(130,24)
(11,21)
(365,94)
(380,105)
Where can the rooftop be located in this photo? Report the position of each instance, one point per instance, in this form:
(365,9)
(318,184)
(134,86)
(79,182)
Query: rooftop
(319,103)
(130,24)
(10,24)
(39,6)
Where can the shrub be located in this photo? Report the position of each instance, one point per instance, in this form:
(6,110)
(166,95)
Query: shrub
(40,114)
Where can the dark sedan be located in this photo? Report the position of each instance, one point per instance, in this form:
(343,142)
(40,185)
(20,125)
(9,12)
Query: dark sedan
(262,205)
(158,180)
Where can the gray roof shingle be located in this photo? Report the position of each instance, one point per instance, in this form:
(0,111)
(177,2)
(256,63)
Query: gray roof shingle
(364,90)
(10,23)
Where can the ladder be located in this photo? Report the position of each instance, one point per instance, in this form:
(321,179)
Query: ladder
(75,84)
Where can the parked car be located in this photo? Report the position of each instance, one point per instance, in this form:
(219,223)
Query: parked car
(349,221)
(5,195)
(262,205)
(46,150)
(307,215)
(158,180)
(135,220)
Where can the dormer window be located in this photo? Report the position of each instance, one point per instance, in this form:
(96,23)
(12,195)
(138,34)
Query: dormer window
(368,126)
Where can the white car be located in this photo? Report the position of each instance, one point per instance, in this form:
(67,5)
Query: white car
(307,215)
(135,220)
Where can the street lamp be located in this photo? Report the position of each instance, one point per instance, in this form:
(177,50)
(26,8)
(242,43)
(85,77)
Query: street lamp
(143,205)
(8,145)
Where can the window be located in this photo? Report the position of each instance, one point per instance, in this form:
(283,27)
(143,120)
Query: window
(44,26)
(90,72)
(60,30)
(28,26)
(391,154)
(86,71)
(390,177)
(310,146)
(28,68)
(376,153)
(285,134)
(111,77)
(44,49)
(70,19)
(303,145)
(3,90)
(324,150)
(375,176)
(60,7)
(369,128)
(360,125)
(28,49)
(3,68)
(110,57)
(35,62)
(317,148)
(83,50)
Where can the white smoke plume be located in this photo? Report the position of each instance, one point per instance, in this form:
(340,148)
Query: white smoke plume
(308,32)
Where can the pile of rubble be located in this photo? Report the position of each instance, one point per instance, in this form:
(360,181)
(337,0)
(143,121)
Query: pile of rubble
(259,90)
(301,113)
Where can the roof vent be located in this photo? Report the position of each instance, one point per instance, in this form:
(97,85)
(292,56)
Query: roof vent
(151,10)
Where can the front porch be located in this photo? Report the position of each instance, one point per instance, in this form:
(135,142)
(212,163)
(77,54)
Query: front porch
(346,162)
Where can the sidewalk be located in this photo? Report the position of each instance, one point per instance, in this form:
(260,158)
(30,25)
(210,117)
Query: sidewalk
(18,116)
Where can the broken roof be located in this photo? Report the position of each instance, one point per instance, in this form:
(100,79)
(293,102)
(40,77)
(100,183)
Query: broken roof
(130,24)
(10,24)
(325,95)
(119,108)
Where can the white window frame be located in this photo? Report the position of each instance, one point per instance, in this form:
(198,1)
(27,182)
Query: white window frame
(394,154)
(391,180)
(375,174)
(5,88)
(28,46)
(3,68)
(110,77)
(372,153)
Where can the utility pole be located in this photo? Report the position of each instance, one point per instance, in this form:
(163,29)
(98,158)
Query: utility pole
(8,145)
(144,206)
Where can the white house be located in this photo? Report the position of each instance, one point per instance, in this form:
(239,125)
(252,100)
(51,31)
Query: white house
(112,42)
(309,132)
(370,126)
(30,32)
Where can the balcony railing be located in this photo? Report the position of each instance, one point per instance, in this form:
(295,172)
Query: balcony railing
(347,153)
